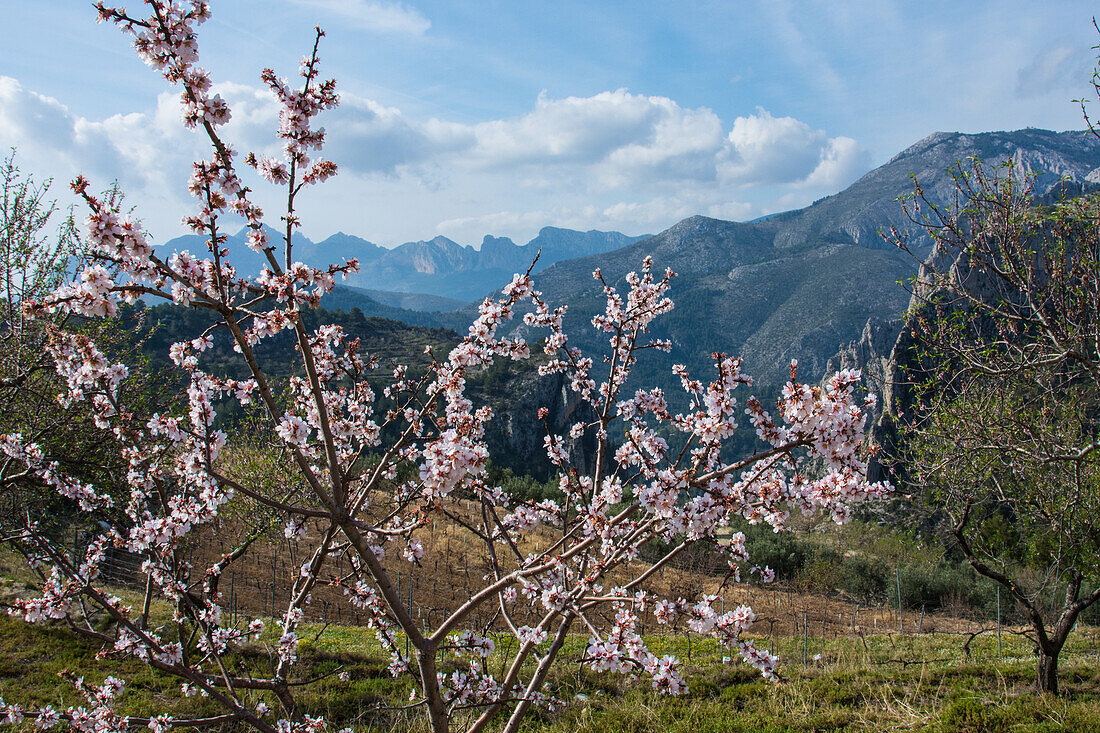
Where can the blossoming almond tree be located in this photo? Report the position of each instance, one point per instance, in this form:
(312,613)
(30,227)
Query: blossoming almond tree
(587,581)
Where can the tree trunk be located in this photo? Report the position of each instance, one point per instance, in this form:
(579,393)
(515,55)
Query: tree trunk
(1049,641)
(1048,671)
(1051,646)
(435,708)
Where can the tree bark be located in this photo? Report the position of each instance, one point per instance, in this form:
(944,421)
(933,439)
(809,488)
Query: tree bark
(1048,670)
(429,685)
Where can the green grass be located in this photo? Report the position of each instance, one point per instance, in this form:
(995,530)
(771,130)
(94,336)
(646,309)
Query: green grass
(872,685)
(851,688)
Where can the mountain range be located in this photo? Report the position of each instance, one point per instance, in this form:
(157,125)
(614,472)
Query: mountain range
(795,285)
(800,284)
(434,275)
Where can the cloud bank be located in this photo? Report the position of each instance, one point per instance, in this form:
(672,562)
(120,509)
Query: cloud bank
(615,159)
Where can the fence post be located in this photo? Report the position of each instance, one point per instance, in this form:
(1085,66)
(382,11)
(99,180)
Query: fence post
(274,575)
(998,621)
(805,634)
(901,618)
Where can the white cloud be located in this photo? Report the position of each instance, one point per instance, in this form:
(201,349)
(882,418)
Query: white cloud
(732,211)
(608,140)
(842,161)
(767,149)
(148,153)
(683,145)
(571,130)
(24,114)
(385,17)
(131,147)
(764,149)
(617,140)
(614,160)
(366,137)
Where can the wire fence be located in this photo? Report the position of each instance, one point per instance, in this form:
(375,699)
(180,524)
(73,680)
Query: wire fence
(258,584)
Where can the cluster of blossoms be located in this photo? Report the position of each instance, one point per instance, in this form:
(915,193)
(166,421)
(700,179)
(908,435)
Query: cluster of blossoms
(96,716)
(623,650)
(684,495)
(376,467)
(31,455)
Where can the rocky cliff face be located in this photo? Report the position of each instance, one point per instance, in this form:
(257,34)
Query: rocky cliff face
(881,352)
(887,354)
(515,434)
(872,353)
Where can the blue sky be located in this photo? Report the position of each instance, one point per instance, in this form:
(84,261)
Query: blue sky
(471,118)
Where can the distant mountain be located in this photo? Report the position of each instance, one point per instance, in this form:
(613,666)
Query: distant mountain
(439,266)
(869,205)
(408,308)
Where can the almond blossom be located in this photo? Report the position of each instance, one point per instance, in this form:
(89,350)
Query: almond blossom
(414,445)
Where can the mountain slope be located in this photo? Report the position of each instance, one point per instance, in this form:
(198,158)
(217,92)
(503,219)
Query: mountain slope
(420,302)
(801,283)
(870,204)
(409,308)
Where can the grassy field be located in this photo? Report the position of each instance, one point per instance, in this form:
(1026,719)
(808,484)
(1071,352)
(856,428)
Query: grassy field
(860,684)
(864,682)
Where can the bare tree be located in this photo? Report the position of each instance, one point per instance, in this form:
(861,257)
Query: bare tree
(1003,434)
(39,247)
(34,260)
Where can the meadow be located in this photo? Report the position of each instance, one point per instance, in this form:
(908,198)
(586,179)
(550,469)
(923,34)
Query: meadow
(864,682)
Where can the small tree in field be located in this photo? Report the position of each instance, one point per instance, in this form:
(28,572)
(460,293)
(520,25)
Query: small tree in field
(38,249)
(362,497)
(1007,332)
